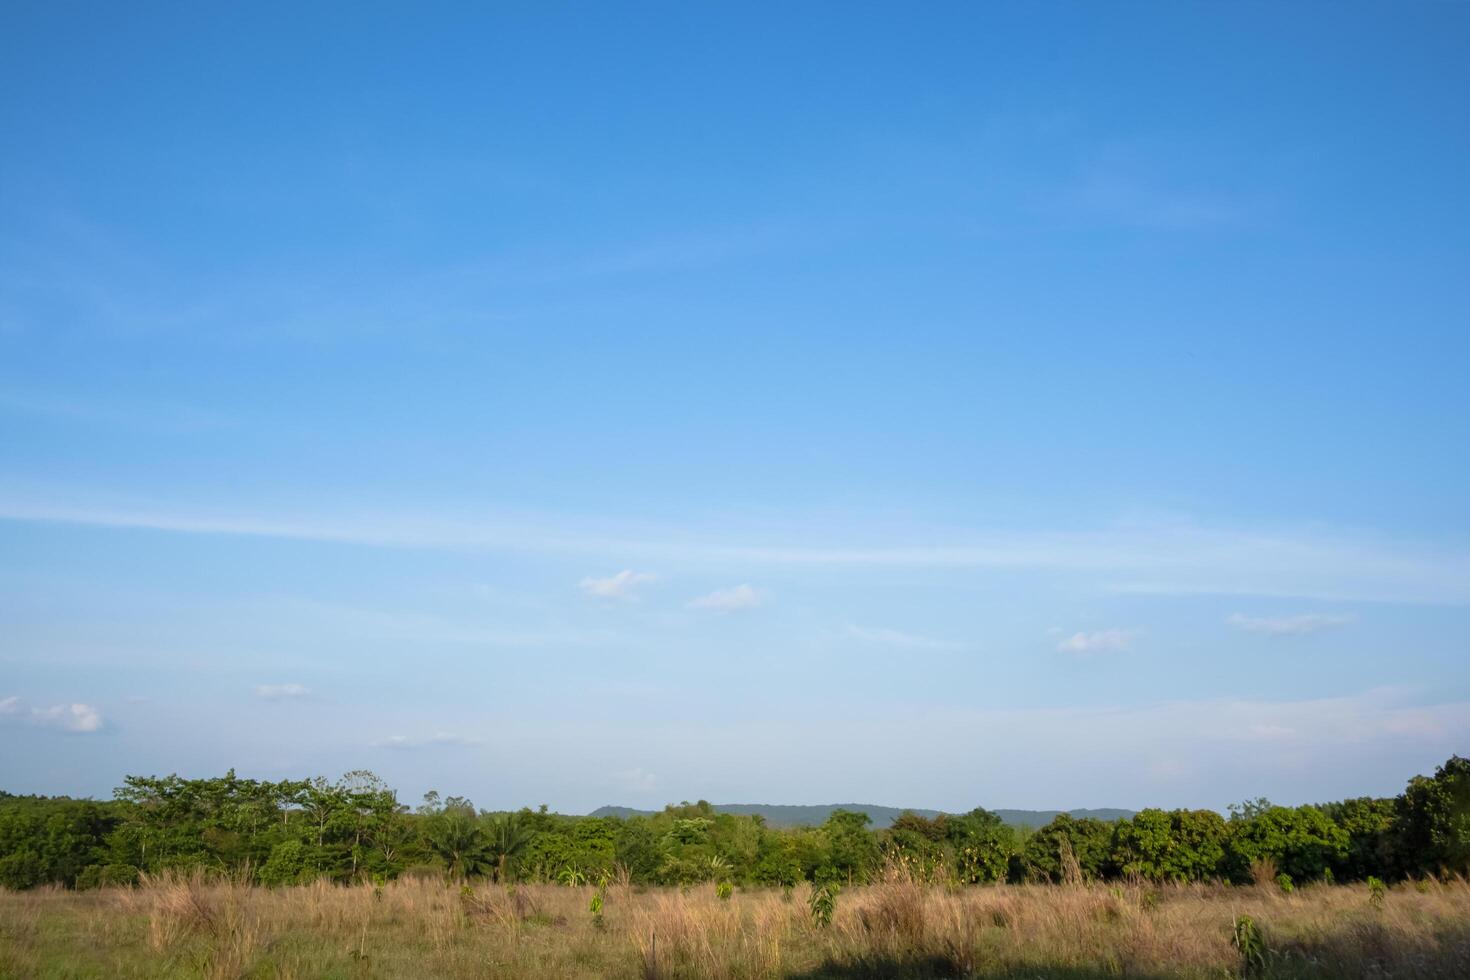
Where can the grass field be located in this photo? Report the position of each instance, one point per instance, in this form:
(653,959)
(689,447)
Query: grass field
(896,928)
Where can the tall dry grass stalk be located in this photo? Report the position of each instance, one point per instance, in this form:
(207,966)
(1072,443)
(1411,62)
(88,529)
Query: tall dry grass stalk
(898,926)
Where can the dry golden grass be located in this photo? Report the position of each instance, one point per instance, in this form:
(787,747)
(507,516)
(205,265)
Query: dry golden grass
(191,927)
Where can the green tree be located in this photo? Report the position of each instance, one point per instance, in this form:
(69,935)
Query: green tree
(1302,841)
(919,842)
(636,847)
(982,846)
(456,837)
(1434,821)
(1369,825)
(1178,845)
(852,852)
(1089,841)
(286,864)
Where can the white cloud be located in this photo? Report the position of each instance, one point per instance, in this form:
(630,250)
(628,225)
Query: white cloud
(281,692)
(78,719)
(424,742)
(1096,641)
(633,781)
(1287,625)
(730,600)
(898,638)
(622,586)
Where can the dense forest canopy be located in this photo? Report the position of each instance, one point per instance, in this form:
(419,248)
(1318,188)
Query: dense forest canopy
(777,815)
(355,828)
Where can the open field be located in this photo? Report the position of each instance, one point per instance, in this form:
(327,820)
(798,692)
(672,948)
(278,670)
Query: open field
(189,927)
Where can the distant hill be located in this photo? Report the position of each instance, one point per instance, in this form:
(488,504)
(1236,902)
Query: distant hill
(777,815)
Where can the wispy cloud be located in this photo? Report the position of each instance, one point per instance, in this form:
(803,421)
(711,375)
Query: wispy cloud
(622,586)
(736,599)
(1097,641)
(281,692)
(424,742)
(898,638)
(1288,625)
(1161,558)
(634,780)
(77,719)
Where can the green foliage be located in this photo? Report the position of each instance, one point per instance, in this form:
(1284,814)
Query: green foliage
(595,907)
(852,851)
(1302,841)
(1283,881)
(1089,842)
(107,876)
(44,840)
(286,865)
(724,890)
(982,845)
(508,837)
(1376,891)
(1180,845)
(354,829)
(455,836)
(636,847)
(1250,944)
(823,902)
(586,845)
(1368,824)
(1433,821)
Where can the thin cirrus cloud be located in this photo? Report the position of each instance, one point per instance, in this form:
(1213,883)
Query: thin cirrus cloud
(1097,641)
(75,719)
(736,599)
(622,586)
(424,742)
(281,692)
(1168,558)
(1299,625)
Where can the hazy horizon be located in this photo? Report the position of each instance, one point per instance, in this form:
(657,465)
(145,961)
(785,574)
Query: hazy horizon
(1035,407)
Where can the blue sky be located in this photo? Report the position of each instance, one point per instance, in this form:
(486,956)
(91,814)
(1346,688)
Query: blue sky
(1010,405)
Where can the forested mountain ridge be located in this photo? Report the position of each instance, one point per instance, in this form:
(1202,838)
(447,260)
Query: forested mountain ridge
(796,815)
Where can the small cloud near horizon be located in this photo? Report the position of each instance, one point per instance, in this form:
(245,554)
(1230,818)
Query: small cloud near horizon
(1299,625)
(1097,641)
(438,738)
(621,586)
(736,599)
(636,780)
(281,692)
(75,718)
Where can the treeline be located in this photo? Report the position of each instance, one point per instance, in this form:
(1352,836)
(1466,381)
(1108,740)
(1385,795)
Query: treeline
(355,829)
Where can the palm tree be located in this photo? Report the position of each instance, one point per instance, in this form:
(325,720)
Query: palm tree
(507,837)
(455,836)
